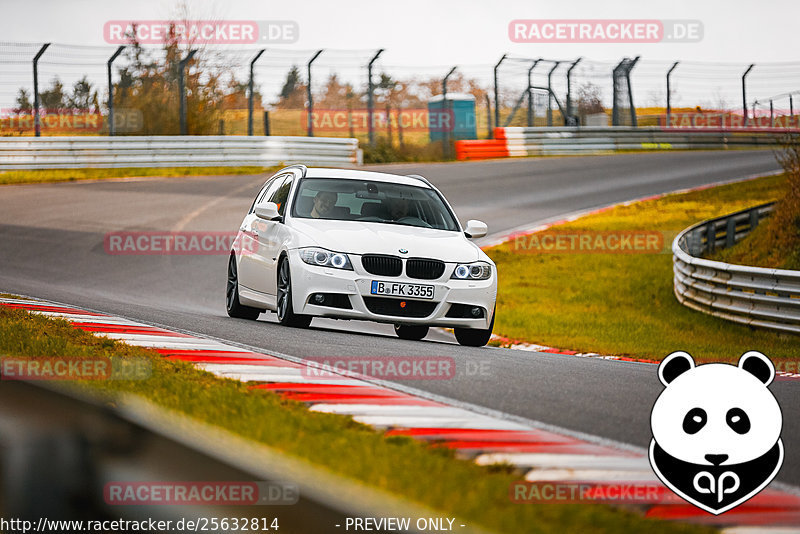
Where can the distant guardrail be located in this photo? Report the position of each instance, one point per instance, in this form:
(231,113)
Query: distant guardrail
(755,296)
(551,141)
(174,151)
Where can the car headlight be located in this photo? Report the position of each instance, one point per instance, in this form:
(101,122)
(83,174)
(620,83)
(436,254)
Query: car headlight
(325,258)
(479,270)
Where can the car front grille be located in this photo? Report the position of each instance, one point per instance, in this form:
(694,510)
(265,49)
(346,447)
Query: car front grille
(382,265)
(399,307)
(424,269)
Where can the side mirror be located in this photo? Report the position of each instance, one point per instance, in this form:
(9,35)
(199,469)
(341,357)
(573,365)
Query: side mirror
(268,211)
(475,229)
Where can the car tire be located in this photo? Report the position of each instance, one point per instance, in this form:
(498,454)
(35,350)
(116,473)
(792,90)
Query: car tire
(474,337)
(285,310)
(232,305)
(410,332)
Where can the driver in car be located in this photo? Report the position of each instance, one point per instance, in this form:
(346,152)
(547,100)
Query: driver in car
(398,208)
(323,204)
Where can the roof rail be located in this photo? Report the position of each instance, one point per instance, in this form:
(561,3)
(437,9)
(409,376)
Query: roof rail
(300,166)
(418,177)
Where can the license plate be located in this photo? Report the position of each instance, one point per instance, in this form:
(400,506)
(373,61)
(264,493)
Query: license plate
(393,289)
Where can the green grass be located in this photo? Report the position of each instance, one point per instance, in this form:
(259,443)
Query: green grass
(623,304)
(771,245)
(432,476)
(68,175)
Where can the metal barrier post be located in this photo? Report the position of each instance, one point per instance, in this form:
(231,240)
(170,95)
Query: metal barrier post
(630,91)
(111,125)
(569,88)
(446,109)
(744,92)
(250,95)
(182,89)
(488,116)
(669,93)
(309,118)
(371,97)
(771,115)
(497,94)
(36,125)
(530,93)
(730,233)
(550,94)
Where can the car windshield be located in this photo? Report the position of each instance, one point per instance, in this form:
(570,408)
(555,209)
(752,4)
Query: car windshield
(369,201)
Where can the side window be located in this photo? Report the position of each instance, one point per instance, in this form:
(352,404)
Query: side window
(280,194)
(263,192)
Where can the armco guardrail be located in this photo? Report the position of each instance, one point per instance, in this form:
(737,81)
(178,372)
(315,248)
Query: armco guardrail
(173,151)
(60,450)
(514,141)
(767,298)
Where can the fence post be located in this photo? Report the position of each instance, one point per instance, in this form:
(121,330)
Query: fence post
(630,90)
(182,89)
(497,95)
(371,97)
(111,125)
(446,109)
(266,123)
(488,116)
(669,93)
(744,92)
(569,88)
(309,121)
(615,108)
(36,125)
(550,94)
(250,96)
(530,93)
(771,115)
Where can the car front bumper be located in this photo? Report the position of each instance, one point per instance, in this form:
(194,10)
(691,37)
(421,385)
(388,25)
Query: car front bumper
(308,280)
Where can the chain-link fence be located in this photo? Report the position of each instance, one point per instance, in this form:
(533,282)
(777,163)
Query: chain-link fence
(147,83)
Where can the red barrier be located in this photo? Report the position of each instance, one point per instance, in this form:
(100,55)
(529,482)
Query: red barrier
(481,149)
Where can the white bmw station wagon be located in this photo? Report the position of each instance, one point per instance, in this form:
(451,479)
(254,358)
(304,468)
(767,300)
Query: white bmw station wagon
(350,244)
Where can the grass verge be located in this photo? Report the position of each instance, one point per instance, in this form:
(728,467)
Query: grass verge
(775,244)
(623,304)
(432,476)
(69,175)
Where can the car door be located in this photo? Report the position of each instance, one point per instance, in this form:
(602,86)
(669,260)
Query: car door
(252,260)
(275,233)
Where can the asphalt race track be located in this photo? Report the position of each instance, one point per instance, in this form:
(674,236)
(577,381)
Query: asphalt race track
(51,246)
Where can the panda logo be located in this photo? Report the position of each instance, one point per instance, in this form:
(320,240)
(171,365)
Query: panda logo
(716,430)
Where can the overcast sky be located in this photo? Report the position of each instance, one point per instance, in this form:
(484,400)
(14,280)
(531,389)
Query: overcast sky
(440,32)
(424,38)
